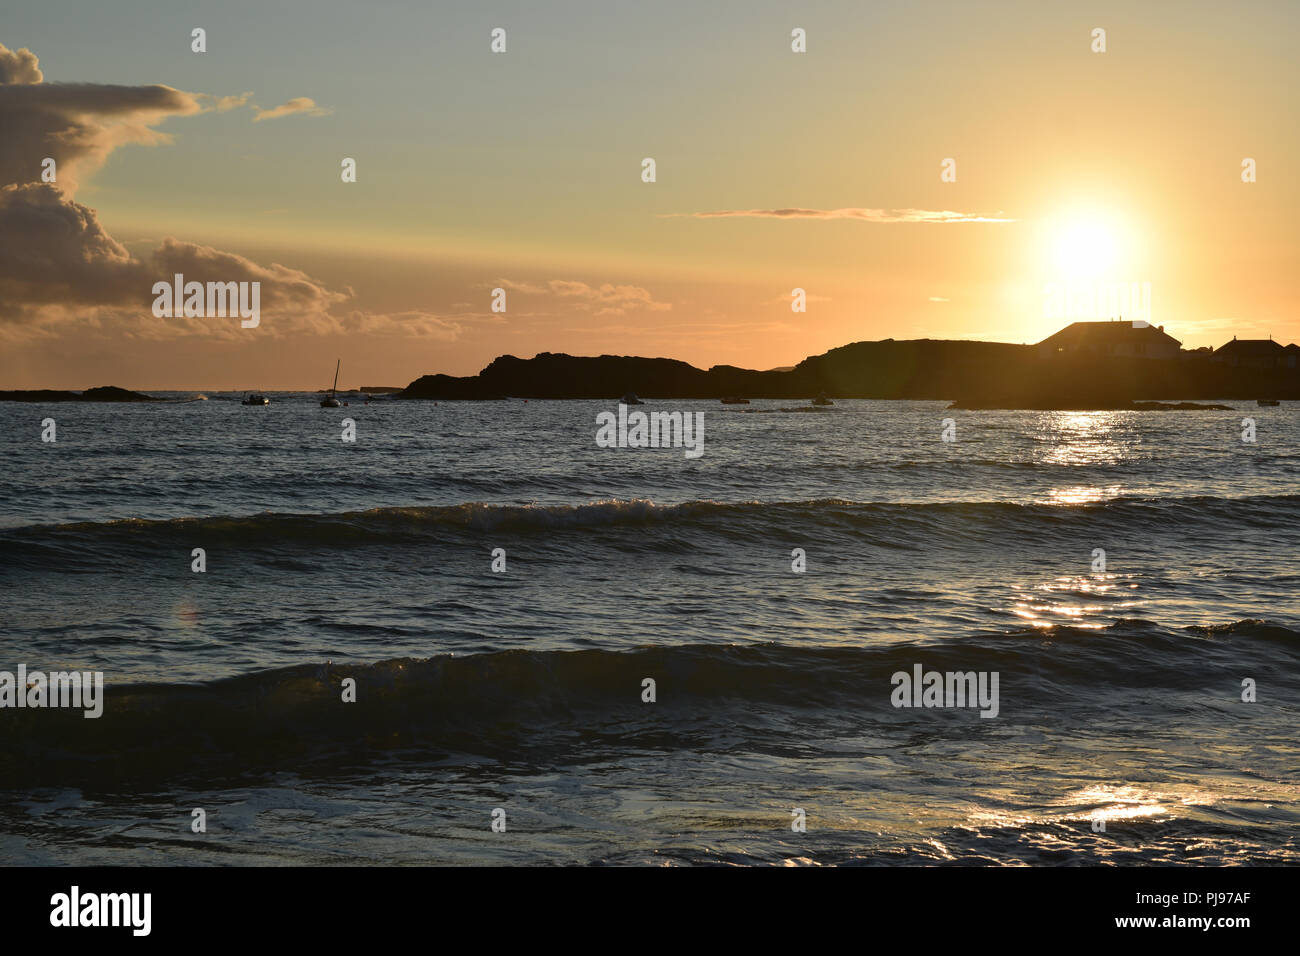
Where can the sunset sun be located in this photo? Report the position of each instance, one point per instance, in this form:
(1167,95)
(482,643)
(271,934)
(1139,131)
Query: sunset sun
(1087,246)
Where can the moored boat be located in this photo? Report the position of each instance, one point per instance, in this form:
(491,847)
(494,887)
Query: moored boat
(331,401)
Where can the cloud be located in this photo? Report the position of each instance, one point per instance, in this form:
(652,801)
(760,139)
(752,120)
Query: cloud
(285,291)
(299,104)
(604,299)
(19,66)
(862,215)
(690,329)
(56,260)
(58,263)
(55,257)
(75,124)
(526,288)
(413,323)
(938,298)
(224,103)
(53,250)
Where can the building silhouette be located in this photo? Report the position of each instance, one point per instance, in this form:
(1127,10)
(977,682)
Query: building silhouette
(1252,353)
(1114,339)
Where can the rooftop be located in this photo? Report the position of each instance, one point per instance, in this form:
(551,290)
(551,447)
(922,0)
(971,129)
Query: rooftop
(1099,333)
(1250,347)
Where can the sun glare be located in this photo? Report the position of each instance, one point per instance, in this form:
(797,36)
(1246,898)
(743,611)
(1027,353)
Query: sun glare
(1087,246)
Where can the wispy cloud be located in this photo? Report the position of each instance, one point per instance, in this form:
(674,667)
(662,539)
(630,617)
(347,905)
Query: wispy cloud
(604,299)
(224,103)
(862,215)
(689,329)
(299,104)
(429,325)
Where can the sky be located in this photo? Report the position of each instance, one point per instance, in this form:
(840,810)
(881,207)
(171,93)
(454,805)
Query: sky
(523,171)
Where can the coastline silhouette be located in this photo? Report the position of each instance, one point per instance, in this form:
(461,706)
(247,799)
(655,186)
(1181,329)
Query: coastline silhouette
(1112,365)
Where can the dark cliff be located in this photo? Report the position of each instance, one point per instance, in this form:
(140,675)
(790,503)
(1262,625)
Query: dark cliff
(973,374)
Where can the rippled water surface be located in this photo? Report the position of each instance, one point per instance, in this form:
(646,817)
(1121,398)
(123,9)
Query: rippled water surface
(1121,733)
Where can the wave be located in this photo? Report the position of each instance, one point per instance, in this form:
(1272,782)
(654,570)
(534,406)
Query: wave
(379,525)
(505,704)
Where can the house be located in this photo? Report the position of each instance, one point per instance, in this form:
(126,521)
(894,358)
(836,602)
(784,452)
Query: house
(1117,339)
(1292,357)
(1251,353)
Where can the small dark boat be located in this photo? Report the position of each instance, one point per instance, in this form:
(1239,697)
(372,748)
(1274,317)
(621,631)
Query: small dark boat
(735,401)
(331,401)
(1267,402)
(255,399)
(821,399)
(631,399)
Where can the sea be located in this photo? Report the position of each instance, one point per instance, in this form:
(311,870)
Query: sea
(473,635)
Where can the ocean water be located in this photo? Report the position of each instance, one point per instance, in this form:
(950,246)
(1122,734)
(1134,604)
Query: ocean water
(1121,734)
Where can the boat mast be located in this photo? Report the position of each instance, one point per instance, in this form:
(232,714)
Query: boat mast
(336,378)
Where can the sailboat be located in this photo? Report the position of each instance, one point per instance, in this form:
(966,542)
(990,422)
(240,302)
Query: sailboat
(331,401)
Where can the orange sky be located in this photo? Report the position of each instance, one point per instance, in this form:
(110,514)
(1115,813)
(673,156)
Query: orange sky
(522,171)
